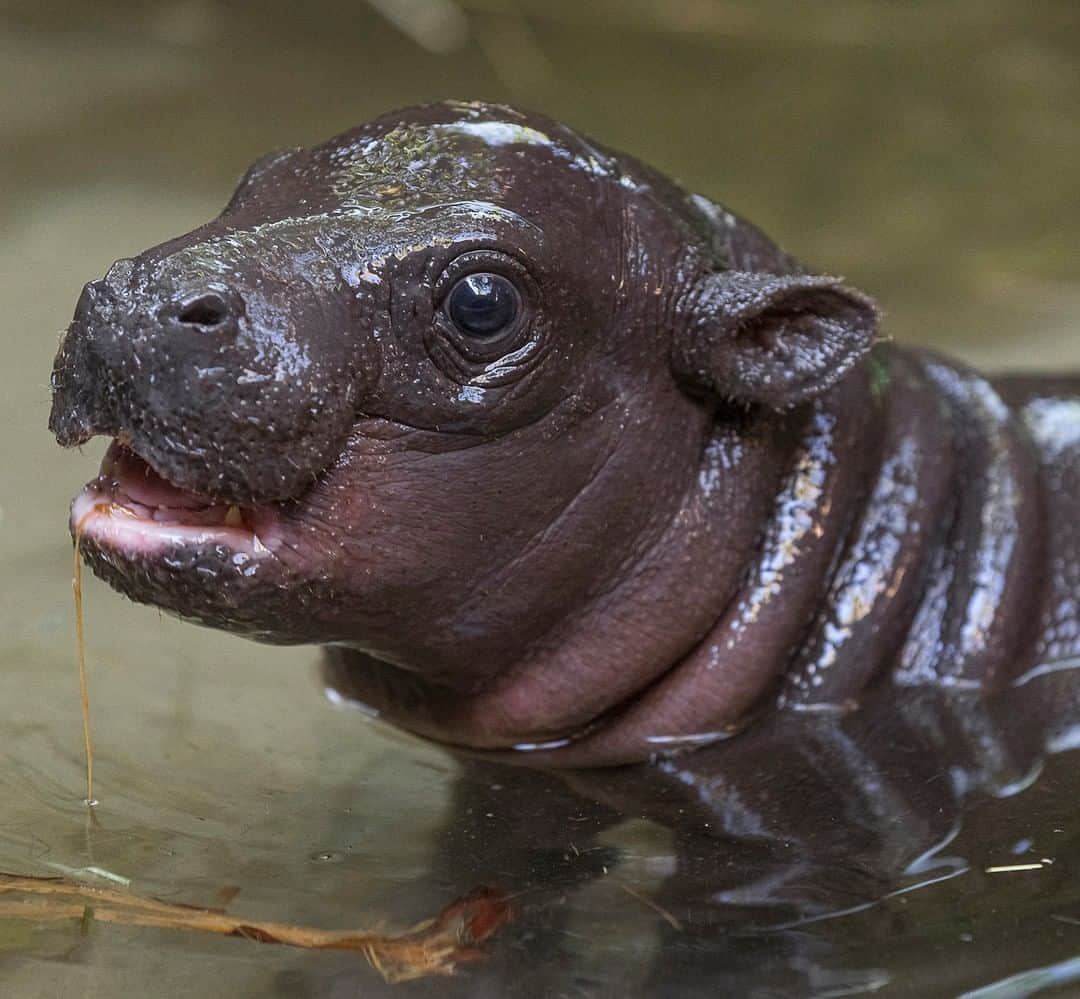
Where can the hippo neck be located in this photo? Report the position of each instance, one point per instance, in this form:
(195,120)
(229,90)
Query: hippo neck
(904,538)
(894,527)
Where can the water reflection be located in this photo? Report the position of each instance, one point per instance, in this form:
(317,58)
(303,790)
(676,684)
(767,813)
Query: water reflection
(806,857)
(926,841)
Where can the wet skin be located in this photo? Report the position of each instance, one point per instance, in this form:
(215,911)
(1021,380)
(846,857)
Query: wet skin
(561,463)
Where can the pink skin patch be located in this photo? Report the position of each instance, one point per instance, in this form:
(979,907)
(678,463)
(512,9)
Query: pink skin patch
(133,511)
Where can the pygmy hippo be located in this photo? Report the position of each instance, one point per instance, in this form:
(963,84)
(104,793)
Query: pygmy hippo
(560,462)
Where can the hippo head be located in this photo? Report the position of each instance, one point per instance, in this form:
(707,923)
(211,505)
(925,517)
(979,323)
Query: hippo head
(430,389)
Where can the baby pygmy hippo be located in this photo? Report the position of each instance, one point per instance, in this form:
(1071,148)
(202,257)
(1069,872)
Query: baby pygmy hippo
(560,462)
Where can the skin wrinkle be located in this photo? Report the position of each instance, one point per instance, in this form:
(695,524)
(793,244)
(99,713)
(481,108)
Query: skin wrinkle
(602,601)
(610,718)
(603,692)
(312,501)
(553,527)
(880,572)
(679,700)
(1052,420)
(923,649)
(601,598)
(993,542)
(590,529)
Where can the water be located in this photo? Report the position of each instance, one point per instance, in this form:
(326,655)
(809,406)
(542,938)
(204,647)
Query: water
(928,152)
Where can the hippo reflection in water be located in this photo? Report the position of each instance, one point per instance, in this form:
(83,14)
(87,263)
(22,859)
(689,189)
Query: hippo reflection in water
(818,854)
(554,456)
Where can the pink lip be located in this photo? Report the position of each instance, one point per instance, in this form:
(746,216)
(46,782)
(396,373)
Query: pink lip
(139,482)
(131,509)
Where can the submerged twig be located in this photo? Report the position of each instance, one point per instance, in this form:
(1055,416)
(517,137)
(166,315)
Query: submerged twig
(434,947)
(655,906)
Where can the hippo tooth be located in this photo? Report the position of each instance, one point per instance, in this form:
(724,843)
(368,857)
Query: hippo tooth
(233,517)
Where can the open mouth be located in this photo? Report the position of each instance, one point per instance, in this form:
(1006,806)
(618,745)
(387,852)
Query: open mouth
(129,507)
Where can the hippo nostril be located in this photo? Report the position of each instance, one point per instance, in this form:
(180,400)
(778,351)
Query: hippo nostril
(209,309)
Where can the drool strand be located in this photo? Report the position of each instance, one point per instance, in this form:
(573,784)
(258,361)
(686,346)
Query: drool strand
(80,639)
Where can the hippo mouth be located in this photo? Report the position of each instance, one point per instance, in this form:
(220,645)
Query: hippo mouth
(134,511)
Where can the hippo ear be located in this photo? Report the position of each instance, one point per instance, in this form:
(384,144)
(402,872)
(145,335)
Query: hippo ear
(773,339)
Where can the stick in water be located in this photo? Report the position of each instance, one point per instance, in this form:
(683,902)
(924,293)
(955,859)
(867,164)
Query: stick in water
(434,947)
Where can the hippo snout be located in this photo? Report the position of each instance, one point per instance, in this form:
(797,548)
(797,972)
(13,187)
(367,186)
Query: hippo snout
(216,384)
(78,412)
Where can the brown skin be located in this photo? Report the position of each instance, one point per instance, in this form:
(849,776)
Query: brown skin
(679,485)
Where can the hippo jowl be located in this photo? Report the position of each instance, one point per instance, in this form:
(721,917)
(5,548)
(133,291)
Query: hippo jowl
(554,456)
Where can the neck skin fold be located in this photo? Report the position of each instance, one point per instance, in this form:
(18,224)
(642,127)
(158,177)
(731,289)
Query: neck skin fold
(813,553)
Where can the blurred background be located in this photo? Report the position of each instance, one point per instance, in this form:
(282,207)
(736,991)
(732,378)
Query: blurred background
(928,151)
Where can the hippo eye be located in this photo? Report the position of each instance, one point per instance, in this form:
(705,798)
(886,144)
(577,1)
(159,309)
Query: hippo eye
(483,305)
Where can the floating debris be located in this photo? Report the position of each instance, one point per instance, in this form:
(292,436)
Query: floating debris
(434,947)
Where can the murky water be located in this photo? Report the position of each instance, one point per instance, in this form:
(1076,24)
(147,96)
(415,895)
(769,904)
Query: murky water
(930,152)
